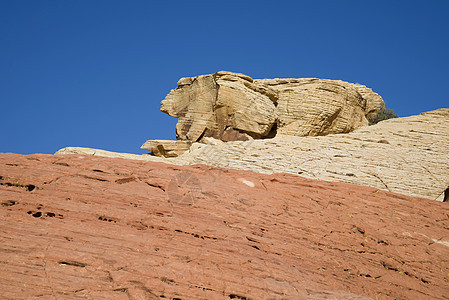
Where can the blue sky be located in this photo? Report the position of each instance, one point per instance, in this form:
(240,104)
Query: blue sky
(93,73)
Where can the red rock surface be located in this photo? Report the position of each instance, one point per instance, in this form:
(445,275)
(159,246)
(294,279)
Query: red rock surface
(105,228)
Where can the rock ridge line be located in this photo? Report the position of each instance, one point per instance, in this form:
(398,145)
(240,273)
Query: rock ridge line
(404,155)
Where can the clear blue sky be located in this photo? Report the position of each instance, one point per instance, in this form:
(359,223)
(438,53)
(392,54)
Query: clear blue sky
(93,73)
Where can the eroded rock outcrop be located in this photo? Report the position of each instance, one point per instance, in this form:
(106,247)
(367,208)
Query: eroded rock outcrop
(83,227)
(403,155)
(313,107)
(232,106)
(227,106)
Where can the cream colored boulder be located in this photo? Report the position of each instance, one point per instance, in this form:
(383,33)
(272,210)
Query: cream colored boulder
(232,106)
(227,106)
(312,107)
(193,104)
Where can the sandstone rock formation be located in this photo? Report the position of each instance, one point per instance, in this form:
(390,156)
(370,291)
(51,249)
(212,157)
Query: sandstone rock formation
(166,148)
(403,155)
(232,106)
(78,226)
(225,105)
(374,102)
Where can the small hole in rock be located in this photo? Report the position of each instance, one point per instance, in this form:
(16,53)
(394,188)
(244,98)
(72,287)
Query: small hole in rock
(255,247)
(235,296)
(72,263)
(9,203)
(37,214)
(30,187)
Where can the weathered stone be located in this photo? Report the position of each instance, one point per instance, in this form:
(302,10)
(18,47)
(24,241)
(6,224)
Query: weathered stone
(232,106)
(243,109)
(110,154)
(374,102)
(225,105)
(185,81)
(166,148)
(193,104)
(211,141)
(83,227)
(233,75)
(311,107)
(403,155)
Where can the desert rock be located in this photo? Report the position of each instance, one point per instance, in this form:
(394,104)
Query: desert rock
(227,106)
(311,107)
(166,148)
(232,106)
(83,226)
(374,102)
(403,155)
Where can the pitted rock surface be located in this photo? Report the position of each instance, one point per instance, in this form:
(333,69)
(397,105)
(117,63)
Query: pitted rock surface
(77,226)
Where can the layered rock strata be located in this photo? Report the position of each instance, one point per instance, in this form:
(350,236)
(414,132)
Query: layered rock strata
(231,106)
(83,227)
(403,155)
(166,148)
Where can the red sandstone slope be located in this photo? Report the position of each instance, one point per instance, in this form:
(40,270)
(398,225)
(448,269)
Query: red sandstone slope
(100,228)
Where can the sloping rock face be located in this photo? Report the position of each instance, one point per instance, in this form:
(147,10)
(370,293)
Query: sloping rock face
(76,226)
(232,106)
(403,155)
